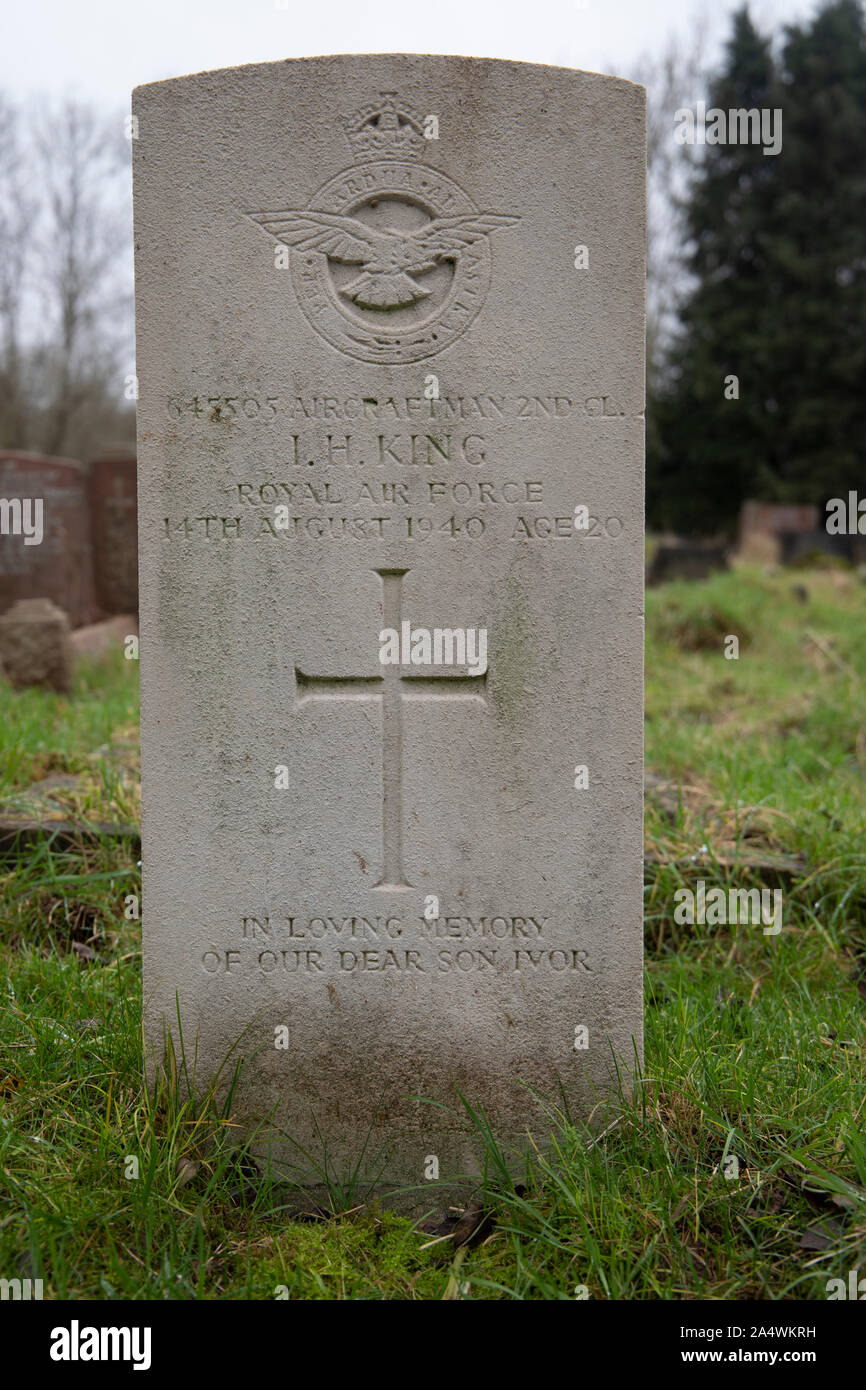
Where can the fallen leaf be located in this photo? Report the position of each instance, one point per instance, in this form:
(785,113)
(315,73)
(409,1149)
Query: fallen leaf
(185,1171)
(821,1236)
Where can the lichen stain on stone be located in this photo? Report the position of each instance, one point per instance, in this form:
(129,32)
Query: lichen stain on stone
(512,646)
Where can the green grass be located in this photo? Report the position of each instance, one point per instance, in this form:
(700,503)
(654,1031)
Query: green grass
(754,1044)
(42,733)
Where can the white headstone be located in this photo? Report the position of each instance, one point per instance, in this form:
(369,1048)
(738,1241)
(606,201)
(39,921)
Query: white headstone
(390,358)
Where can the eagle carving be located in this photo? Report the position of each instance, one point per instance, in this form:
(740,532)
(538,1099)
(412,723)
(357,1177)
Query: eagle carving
(388,259)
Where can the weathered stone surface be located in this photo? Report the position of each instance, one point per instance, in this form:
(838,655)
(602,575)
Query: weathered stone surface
(399,341)
(34,644)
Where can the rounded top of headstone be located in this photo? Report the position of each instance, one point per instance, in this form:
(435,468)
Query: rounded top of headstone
(356,60)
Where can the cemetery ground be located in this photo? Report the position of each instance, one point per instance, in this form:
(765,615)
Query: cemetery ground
(736,1170)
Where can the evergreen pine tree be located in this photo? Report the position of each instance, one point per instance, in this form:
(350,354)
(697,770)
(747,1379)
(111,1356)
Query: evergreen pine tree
(712,447)
(778,252)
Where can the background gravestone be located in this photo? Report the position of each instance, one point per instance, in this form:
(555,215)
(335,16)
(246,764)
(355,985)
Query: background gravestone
(772,518)
(114,526)
(762,524)
(61,566)
(686,560)
(34,645)
(401,299)
(803,547)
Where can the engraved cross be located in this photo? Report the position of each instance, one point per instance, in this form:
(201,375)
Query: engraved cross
(392,688)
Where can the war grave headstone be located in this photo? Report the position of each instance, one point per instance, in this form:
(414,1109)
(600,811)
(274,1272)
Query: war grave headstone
(390,323)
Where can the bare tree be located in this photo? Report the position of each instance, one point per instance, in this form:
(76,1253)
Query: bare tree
(17,212)
(65,277)
(673,79)
(79,157)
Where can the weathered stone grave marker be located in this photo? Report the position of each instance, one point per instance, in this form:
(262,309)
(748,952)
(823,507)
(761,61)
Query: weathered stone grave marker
(34,645)
(390,361)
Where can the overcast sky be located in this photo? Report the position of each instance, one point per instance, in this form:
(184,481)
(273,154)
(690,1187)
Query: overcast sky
(101,49)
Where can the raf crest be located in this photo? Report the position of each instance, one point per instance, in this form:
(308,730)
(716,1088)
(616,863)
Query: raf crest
(391,259)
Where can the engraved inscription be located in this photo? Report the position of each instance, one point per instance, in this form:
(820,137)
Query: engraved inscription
(348,945)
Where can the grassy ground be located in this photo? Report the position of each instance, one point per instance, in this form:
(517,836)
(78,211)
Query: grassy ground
(738,1170)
